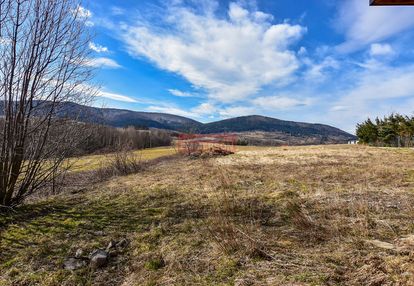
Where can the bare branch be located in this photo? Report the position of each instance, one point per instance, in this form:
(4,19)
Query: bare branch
(43,48)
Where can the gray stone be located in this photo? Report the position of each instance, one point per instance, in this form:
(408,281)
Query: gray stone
(122,243)
(79,253)
(73,263)
(111,244)
(99,258)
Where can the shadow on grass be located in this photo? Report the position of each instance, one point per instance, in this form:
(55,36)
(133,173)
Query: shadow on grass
(50,229)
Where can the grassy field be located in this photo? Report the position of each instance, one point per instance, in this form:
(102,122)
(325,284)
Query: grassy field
(93,162)
(317,215)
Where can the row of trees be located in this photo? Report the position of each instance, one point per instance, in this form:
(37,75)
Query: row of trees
(395,130)
(105,138)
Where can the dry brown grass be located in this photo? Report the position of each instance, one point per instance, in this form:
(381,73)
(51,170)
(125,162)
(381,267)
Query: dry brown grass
(265,216)
(121,163)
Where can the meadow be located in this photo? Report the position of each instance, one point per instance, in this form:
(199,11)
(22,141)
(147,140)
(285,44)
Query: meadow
(93,162)
(311,215)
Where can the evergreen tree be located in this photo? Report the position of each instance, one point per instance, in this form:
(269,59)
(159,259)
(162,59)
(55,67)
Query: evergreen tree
(394,130)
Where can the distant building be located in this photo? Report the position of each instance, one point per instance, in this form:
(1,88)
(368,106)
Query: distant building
(352,142)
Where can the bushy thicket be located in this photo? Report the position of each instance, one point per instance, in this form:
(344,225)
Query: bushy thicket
(106,138)
(395,130)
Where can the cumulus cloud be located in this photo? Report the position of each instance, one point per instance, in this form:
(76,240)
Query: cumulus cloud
(98,48)
(363,25)
(231,58)
(103,63)
(381,50)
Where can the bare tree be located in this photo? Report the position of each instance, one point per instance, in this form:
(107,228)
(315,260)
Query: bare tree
(43,62)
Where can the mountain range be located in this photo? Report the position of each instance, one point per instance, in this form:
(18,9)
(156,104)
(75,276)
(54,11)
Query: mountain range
(241,125)
(254,129)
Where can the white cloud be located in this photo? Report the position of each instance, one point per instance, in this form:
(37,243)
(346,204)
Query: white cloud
(171,110)
(340,108)
(302,51)
(205,108)
(363,25)
(279,102)
(317,71)
(381,50)
(117,11)
(180,93)
(384,84)
(259,105)
(235,111)
(116,96)
(103,63)
(373,92)
(231,58)
(98,48)
(82,12)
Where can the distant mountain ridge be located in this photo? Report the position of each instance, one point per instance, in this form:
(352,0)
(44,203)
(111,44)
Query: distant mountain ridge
(269,124)
(122,118)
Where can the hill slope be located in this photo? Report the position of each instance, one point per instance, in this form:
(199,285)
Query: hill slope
(268,124)
(122,117)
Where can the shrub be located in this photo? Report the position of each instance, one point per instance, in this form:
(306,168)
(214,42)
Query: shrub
(123,162)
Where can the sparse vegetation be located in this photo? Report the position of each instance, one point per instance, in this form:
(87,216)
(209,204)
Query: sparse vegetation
(319,215)
(121,163)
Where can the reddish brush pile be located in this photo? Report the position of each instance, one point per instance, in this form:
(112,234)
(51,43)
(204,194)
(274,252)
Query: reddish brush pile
(211,152)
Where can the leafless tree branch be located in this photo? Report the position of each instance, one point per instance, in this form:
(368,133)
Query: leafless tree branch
(43,51)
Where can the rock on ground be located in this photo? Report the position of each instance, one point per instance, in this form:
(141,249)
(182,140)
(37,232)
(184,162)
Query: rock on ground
(98,258)
(73,263)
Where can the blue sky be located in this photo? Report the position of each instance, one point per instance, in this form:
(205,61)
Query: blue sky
(325,61)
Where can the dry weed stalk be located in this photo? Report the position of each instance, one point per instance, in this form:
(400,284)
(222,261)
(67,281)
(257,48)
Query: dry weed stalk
(236,222)
(124,162)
